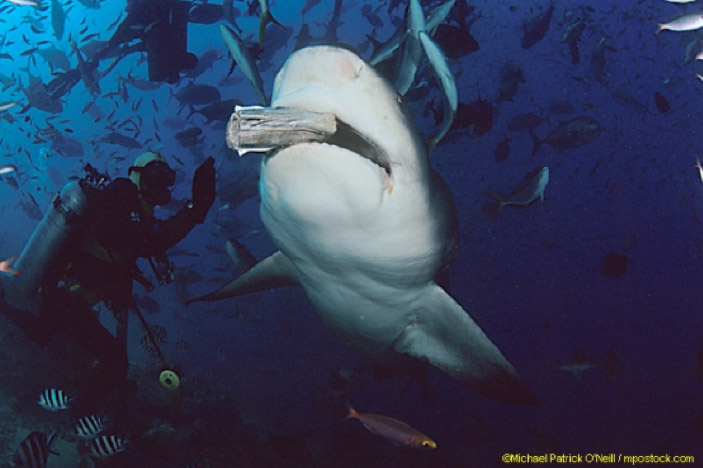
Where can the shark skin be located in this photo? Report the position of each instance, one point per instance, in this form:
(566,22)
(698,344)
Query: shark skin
(366,234)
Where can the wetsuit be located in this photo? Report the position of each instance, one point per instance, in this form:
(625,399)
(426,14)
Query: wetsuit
(99,264)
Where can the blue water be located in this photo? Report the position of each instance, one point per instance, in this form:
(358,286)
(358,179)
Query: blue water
(529,277)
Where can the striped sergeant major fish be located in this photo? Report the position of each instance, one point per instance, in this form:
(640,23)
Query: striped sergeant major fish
(88,427)
(54,400)
(34,450)
(107,445)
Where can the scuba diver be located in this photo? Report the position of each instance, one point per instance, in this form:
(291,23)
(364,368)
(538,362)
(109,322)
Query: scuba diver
(94,233)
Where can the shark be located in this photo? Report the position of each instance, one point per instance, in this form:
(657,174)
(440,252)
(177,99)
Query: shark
(366,227)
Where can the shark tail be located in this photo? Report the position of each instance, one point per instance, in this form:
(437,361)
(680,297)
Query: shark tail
(499,200)
(263,21)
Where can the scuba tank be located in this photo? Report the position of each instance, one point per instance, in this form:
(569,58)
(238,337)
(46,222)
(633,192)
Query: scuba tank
(44,246)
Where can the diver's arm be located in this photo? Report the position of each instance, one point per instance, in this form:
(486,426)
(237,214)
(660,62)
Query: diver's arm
(169,232)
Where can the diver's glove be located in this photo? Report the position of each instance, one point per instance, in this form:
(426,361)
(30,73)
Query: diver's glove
(203,190)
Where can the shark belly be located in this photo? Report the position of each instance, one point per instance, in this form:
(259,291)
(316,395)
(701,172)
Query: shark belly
(361,257)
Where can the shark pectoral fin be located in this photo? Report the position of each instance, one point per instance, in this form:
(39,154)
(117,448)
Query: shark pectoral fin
(272,272)
(441,332)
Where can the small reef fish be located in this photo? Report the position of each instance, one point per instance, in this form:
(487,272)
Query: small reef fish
(4,105)
(25,2)
(530,190)
(7,168)
(54,400)
(684,23)
(34,450)
(392,429)
(107,445)
(88,427)
(5,266)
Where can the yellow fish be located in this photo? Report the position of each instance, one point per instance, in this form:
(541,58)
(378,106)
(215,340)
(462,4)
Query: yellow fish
(393,429)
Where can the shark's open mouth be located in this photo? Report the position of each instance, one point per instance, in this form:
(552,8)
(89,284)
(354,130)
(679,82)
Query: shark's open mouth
(264,129)
(347,137)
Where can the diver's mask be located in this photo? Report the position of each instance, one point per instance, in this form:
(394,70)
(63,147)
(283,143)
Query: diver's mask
(155,179)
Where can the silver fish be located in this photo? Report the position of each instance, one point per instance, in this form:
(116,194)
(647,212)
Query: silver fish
(683,23)
(433,19)
(446,80)
(530,190)
(244,60)
(7,168)
(25,2)
(417,41)
(4,105)
(411,52)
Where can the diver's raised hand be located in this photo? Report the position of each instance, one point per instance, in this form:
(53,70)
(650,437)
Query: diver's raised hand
(203,189)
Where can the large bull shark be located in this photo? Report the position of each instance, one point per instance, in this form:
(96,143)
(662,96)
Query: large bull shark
(365,226)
